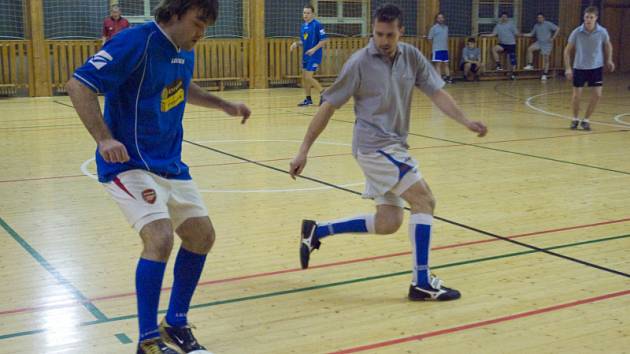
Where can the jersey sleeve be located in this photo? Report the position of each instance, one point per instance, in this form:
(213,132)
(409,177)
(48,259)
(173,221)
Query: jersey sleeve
(321,33)
(346,85)
(495,30)
(554,27)
(606,36)
(427,78)
(572,37)
(113,64)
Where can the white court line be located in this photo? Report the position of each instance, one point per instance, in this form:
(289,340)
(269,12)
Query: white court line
(621,121)
(84,169)
(530,105)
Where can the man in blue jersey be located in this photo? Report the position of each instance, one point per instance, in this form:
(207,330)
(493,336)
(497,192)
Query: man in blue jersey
(312,39)
(145,73)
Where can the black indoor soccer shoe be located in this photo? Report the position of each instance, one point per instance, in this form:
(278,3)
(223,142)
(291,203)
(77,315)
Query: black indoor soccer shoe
(154,346)
(585,125)
(308,242)
(181,338)
(436,292)
(574,124)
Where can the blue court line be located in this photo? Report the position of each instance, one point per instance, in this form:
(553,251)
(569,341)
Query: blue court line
(54,272)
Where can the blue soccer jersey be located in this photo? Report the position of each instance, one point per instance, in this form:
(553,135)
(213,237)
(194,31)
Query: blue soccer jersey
(145,79)
(311,34)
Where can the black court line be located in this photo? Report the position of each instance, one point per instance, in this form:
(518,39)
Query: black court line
(464,226)
(63,104)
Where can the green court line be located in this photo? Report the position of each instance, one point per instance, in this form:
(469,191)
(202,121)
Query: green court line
(330,285)
(123,338)
(54,272)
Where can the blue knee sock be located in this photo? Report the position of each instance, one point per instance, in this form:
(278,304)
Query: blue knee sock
(188,268)
(149,275)
(420,237)
(357,224)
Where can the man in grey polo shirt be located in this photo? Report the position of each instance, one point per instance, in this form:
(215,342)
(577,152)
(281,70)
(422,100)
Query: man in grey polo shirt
(438,34)
(589,41)
(545,32)
(381,78)
(507,32)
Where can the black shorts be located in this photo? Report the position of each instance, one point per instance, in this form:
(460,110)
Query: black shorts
(508,48)
(594,77)
(473,67)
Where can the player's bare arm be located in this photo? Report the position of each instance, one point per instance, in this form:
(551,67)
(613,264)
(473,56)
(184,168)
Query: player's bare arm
(203,98)
(86,104)
(447,104)
(610,65)
(568,71)
(319,45)
(317,126)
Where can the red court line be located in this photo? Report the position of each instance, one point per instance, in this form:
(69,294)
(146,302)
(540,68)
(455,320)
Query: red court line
(482,323)
(62,304)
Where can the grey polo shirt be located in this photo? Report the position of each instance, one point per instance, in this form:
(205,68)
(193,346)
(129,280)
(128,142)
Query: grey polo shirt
(589,47)
(382,93)
(470,54)
(439,37)
(506,32)
(544,31)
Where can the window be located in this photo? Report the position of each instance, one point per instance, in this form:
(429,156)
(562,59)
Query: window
(488,11)
(137,11)
(343,17)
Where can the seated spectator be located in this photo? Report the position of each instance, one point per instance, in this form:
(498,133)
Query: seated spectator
(470,63)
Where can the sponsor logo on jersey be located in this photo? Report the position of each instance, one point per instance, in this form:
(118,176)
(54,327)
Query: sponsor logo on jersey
(100,59)
(172,95)
(178,61)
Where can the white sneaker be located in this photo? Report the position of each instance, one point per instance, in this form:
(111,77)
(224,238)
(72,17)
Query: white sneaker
(528,67)
(543,78)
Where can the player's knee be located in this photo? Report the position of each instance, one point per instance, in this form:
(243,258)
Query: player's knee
(424,202)
(206,240)
(389,224)
(597,94)
(159,245)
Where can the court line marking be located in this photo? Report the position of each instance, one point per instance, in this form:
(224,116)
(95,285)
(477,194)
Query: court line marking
(341,154)
(528,103)
(452,222)
(53,271)
(323,286)
(618,119)
(123,338)
(62,304)
(478,145)
(516,316)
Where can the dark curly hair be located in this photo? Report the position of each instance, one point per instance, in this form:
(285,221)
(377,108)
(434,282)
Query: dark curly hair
(169,8)
(388,13)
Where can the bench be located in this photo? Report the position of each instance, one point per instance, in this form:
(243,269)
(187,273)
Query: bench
(219,82)
(8,89)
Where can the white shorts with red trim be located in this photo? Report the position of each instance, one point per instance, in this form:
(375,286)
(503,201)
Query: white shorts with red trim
(144,197)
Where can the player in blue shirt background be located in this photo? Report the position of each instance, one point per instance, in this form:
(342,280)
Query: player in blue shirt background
(312,39)
(145,73)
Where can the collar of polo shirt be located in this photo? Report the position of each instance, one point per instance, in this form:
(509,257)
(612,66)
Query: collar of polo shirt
(583,28)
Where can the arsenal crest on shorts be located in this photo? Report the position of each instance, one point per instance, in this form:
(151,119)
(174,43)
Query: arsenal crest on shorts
(149,196)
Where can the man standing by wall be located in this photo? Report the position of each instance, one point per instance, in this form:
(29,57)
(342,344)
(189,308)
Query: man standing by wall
(114,23)
(545,32)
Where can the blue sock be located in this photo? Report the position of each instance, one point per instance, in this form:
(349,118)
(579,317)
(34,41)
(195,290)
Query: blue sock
(188,268)
(357,224)
(149,275)
(420,237)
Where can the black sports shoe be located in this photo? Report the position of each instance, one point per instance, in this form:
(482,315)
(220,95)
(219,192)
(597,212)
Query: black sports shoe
(180,337)
(308,242)
(437,292)
(305,103)
(498,67)
(154,346)
(574,124)
(585,125)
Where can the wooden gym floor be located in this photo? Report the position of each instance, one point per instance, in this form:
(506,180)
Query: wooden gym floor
(534,229)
